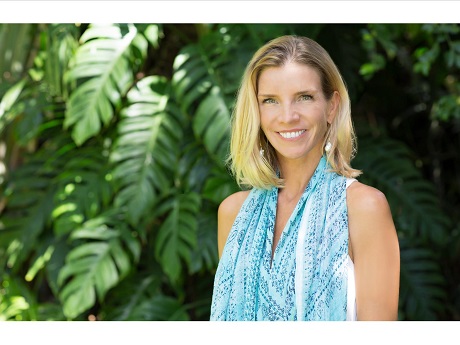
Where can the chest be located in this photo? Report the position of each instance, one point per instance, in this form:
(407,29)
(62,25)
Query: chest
(284,211)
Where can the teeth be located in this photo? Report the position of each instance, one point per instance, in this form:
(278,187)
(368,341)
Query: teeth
(289,135)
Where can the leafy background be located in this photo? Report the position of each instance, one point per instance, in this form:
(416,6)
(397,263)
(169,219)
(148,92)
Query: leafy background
(112,141)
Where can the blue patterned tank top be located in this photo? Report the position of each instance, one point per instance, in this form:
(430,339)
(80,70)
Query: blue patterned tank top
(306,278)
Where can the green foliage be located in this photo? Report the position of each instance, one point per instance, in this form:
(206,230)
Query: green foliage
(146,150)
(422,293)
(112,147)
(196,81)
(177,235)
(103,68)
(419,218)
(387,165)
(16,302)
(98,264)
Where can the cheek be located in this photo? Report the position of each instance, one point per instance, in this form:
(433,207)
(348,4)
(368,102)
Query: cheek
(267,112)
(265,117)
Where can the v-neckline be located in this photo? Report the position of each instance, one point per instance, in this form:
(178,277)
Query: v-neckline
(300,203)
(274,249)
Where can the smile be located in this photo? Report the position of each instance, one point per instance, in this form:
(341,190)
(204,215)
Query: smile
(291,135)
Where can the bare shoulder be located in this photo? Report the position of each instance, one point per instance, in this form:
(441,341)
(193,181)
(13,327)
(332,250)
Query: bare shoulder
(368,213)
(226,215)
(231,205)
(362,198)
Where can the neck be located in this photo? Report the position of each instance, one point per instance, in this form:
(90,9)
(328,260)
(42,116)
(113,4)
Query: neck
(297,173)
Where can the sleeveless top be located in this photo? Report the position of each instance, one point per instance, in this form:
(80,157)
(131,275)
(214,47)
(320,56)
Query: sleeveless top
(306,278)
(351,288)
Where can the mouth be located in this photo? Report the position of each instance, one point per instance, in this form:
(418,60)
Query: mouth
(292,135)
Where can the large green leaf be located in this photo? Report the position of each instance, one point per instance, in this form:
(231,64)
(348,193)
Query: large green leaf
(219,185)
(422,292)
(17,301)
(103,66)
(83,189)
(13,308)
(16,40)
(204,256)
(61,45)
(146,150)
(177,235)
(8,102)
(195,165)
(387,164)
(98,264)
(141,299)
(29,198)
(198,86)
(212,125)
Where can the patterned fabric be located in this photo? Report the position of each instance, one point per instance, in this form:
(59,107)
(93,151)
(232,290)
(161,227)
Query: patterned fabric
(307,277)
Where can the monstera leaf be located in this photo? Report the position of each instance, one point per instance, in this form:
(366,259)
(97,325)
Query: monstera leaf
(103,66)
(387,164)
(139,298)
(61,45)
(83,189)
(197,84)
(92,268)
(147,148)
(422,293)
(30,202)
(177,235)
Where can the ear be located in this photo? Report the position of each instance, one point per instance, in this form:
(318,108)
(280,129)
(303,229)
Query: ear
(333,107)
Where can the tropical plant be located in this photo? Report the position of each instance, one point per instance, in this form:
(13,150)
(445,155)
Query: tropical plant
(112,147)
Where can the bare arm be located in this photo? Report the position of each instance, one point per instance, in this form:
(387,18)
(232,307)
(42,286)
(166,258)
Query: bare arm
(375,251)
(226,215)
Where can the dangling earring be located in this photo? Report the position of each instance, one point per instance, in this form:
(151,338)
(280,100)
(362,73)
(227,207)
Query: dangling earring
(328,147)
(261,151)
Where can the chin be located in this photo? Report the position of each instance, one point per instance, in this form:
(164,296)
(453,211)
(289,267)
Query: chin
(303,154)
(294,155)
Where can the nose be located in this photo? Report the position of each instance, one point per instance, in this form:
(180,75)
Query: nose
(289,114)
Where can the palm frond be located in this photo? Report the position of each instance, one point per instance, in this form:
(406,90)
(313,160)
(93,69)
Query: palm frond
(83,188)
(152,32)
(140,298)
(194,164)
(204,257)
(15,44)
(50,312)
(29,202)
(17,302)
(121,303)
(61,44)
(8,105)
(422,293)
(147,147)
(212,125)
(387,165)
(12,308)
(103,67)
(177,234)
(160,308)
(197,84)
(98,264)
(219,185)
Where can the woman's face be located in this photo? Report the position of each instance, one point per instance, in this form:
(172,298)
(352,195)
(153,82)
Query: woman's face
(294,111)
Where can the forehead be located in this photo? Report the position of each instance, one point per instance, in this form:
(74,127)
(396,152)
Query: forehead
(291,75)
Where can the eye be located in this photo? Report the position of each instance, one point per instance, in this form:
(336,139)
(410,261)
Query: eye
(268,101)
(305,97)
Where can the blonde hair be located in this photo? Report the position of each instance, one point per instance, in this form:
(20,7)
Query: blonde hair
(254,170)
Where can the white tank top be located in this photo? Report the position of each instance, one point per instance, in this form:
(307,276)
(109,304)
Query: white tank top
(351,288)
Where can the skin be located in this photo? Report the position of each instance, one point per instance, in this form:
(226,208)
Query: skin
(291,100)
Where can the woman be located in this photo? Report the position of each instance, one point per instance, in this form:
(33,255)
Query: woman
(307,242)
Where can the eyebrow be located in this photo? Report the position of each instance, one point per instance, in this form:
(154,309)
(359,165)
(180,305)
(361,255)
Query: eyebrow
(297,93)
